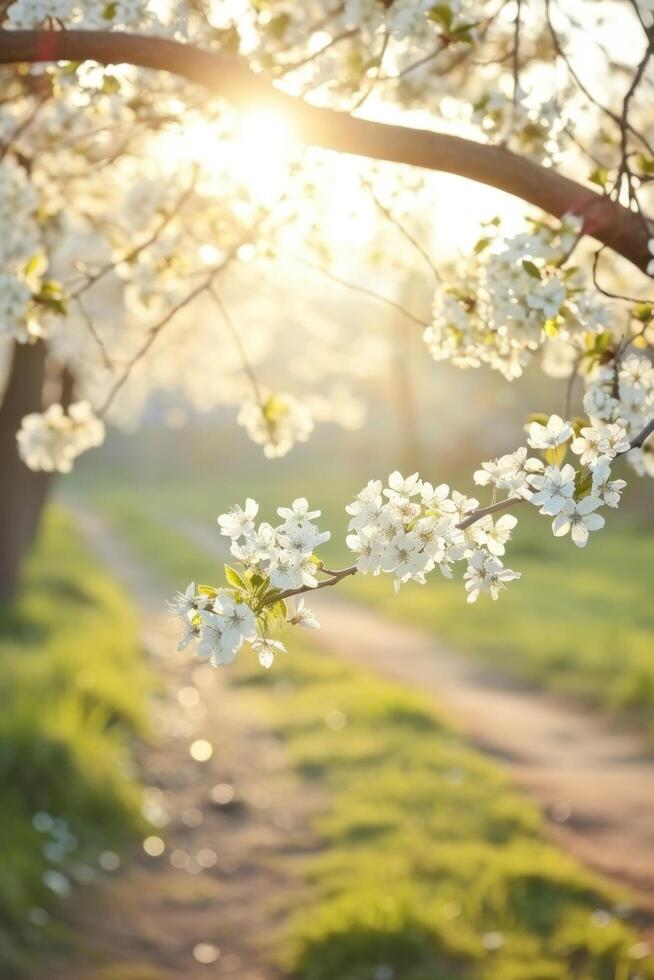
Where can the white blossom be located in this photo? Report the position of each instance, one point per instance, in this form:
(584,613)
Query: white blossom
(303,616)
(239,520)
(52,440)
(579,518)
(604,488)
(553,489)
(267,649)
(597,441)
(485,573)
(549,436)
(495,534)
(277,424)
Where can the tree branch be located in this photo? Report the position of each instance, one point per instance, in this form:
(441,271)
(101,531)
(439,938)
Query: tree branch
(334,580)
(229,76)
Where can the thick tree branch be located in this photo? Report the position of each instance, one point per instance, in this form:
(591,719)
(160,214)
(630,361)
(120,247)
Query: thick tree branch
(229,76)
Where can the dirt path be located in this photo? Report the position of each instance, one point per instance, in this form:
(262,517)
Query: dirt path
(234,827)
(594,781)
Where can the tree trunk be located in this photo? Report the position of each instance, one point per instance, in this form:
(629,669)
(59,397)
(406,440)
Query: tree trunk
(22,492)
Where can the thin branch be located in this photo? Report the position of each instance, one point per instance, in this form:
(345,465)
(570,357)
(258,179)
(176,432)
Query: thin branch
(364,290)
(363,98)
(515,53)
(228,75)
(606,292)
(411,239)
(106,360)
(581,85)
(150,338)
(238,341)
(287,69)
(574,374)
(26,123)
(155,330)
(477,515)
(638,441)
(336,577)
(129,257)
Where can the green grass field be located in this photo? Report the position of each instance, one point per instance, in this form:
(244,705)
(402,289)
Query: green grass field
(579,621)
(72,692)
(433,867)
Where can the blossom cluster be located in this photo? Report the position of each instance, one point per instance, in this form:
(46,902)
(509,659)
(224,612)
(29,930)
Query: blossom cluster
(274,561)
(407,529)
(404,18)
(531,129)
(19,244)
(509,297)
(92,14)
(623,392)
(50,441)
(410,527)
(573,496)
(277,423)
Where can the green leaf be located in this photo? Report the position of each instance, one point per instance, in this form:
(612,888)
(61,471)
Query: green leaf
(645,164)
(276,613)
(531,269)
(228,38)
(583,483)
(208,590)
(279,25)
(600,175)
(36,265)
(235,579)
(110,85)
(556,456)
(267,597)
(643,312)
(442,13)
(51,296)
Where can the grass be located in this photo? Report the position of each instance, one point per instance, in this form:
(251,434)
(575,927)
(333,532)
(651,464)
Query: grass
(580,621)
(72,692)
(433,867)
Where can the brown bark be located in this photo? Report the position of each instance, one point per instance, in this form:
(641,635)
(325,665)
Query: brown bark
(229,76)
(22,492)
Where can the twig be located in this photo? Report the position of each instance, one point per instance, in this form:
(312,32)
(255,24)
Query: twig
(638,440)
(94,333)
(401,228)
(368,92)
(606,292)
(129,257)
(364,290)
(336,577)
(238,341)
(477,515)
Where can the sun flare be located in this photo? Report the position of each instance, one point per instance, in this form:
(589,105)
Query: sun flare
(256,151)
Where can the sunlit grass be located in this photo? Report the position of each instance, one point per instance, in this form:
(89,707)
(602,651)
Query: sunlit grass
(72,690)
(433,867)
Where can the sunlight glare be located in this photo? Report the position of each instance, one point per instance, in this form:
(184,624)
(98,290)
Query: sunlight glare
(256,153)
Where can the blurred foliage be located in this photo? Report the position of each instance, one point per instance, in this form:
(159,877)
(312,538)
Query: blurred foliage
(72,692)
(433,867)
